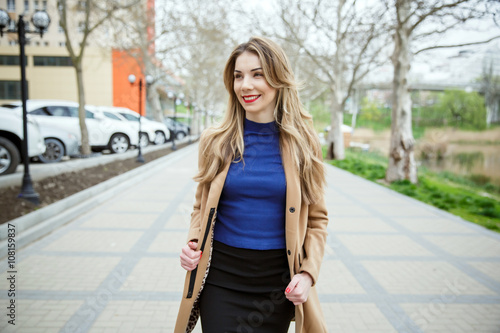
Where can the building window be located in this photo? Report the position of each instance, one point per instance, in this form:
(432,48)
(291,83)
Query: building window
(46,43)
(60,29)
(81,27)
(11,89)
(82,5)
(52,61)
(44,5)
(36,5)
(62,44)
(12,43)
(10,60)
(11,5)
(26,6)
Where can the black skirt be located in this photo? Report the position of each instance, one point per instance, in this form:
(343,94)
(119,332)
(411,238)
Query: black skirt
(244,292)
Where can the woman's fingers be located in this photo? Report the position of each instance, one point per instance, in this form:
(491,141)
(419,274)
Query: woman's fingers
(189,256)
(297,290)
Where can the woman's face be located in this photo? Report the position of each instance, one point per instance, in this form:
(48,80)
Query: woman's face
(256,96)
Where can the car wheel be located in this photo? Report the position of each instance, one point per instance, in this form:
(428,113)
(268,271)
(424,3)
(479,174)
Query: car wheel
(160,138)
(180,135)
(9,157)
(54,151)
(119,143)
(144,140)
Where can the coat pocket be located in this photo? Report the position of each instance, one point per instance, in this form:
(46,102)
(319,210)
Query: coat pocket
(192,278)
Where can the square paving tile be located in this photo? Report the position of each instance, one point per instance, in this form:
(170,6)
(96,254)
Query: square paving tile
(492,269)
(156,274)
(179,221)
(442,316)
(335,278)
(424,278)
(121,221)
(138,206)
(382,245)
(467,246)
(393,210)
(355,317)
(39,272)
(359,224)
(137,316)
(335,210)
(95,241)
(169,242)
(40,316)
(438,225)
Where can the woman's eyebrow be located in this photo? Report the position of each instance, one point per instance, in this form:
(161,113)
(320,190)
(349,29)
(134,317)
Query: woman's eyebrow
(252,70)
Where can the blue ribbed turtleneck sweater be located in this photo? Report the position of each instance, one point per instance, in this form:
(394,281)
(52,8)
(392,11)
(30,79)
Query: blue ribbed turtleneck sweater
(251,211)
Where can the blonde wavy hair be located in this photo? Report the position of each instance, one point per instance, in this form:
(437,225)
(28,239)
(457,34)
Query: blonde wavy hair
(224,143)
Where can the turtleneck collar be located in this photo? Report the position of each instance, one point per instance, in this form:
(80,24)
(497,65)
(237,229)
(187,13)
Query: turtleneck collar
(260,128)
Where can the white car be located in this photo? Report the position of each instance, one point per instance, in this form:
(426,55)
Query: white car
(156,131)
(11,136)
(104,133)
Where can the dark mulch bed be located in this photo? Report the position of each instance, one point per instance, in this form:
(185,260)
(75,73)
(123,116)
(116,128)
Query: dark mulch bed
(55,188)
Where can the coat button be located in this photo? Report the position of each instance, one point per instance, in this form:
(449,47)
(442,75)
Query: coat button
(289,252)
(292,209)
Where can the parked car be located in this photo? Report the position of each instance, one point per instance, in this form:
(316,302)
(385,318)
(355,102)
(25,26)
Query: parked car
(104,133)
(58,143)
(180,130)
(151,131)
(11,136)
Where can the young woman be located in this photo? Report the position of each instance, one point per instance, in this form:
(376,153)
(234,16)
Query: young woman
(258,228)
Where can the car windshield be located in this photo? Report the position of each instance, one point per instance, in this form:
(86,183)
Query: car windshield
(129,116)
(112,116)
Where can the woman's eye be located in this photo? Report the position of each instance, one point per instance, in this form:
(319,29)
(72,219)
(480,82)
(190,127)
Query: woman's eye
(258,74)
(237,76)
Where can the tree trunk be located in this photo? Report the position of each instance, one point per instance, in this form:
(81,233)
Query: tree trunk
(154,101)
(401,154)
(85,150)
(335,136)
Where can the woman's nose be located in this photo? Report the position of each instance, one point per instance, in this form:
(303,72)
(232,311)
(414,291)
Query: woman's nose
(247,84)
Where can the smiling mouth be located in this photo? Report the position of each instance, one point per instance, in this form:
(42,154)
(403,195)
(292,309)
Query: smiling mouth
(251,99)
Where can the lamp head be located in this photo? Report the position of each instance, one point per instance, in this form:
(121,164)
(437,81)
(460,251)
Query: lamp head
(149,79)
(4,20)
(131,78)
(41,21)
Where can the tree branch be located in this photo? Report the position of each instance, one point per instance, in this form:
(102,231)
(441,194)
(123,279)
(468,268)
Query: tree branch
(456,45)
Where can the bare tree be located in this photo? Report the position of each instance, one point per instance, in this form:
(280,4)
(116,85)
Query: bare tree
(490,86)
(344,40)
(95,14)
(412,21)
(194,41)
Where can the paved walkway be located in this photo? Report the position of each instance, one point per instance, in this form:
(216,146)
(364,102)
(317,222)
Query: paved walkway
(392,264)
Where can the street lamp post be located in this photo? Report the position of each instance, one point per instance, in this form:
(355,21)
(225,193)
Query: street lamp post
(41,21)
(173,95)
(149,80)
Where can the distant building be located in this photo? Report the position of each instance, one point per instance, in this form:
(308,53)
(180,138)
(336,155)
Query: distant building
(49,71)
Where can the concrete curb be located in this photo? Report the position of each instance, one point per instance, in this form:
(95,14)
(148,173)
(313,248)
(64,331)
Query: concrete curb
(39,223)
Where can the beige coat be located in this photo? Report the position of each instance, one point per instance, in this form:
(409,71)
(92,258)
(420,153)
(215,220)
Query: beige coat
(305,241)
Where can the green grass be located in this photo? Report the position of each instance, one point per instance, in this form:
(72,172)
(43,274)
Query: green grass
(461,196)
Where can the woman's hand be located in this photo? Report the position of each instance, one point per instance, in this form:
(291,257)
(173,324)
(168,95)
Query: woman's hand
(189,257)
(297,290)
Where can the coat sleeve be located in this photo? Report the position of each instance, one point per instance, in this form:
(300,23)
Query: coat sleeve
(315,239)
(195,225)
